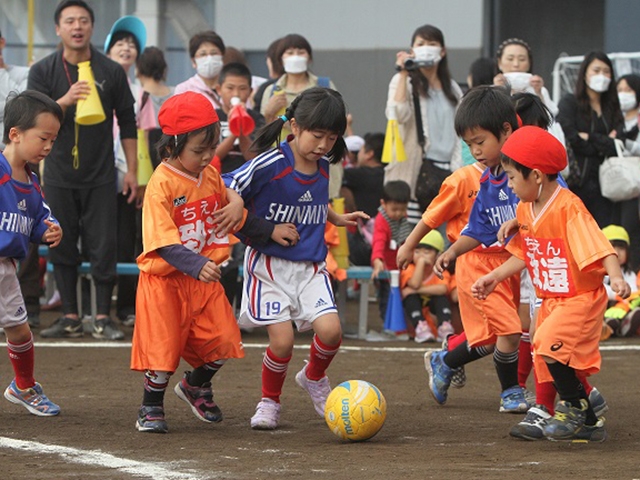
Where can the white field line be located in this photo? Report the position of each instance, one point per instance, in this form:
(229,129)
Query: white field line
(96,458)
(347,348)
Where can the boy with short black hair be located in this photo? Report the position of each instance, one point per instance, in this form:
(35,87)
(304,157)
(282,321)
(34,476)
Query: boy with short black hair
(567,255)
(485,119)
(233,151)
(31,124)
(390,231)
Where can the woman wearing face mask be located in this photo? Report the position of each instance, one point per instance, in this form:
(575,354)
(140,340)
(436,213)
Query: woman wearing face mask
(629,97)
(296,56)
(591,119)
(206,50)
(515,63)
(423,98)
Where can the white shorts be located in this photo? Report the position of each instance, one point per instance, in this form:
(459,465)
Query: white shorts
(12,309)
(527,292)
(277,290)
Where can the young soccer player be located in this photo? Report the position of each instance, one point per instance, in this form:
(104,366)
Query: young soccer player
(290,184)
(484,120)
(567,256)
(182,308)
(31,124)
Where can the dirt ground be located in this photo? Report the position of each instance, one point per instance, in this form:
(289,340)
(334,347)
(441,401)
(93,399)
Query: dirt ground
(466,439)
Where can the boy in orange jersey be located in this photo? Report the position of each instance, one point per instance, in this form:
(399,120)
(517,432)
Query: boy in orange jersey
(421,287)
(567,256)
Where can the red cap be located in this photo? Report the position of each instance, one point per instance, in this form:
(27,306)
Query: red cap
(186,112)
(536,148)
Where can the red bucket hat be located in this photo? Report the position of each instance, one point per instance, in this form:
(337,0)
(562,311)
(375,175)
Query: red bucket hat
(186,112)
(536,148)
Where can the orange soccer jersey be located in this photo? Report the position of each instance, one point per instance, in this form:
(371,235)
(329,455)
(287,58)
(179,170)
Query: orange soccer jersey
(563,248)
(177,315)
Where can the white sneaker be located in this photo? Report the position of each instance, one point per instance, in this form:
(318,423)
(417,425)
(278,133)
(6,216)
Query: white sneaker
(424,333)
(318,390)
(445,330)
(267,415)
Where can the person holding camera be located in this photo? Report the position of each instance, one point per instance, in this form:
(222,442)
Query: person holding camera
(423,98)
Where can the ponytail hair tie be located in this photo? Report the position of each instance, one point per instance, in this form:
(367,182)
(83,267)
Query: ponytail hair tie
(284,118)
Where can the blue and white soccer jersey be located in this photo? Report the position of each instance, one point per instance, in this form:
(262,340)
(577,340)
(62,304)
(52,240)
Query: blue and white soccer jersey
(278,290)
(12,309)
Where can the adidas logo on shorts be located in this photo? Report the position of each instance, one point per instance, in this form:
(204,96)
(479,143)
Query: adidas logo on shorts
(320,303)
(502,196)
(20,312)
(306,197)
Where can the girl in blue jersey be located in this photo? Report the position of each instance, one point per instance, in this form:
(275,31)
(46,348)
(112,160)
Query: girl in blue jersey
(289,184)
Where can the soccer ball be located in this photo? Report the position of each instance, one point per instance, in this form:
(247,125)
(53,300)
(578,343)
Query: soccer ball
(355,410)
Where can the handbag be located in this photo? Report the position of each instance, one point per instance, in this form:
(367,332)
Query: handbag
(620,175)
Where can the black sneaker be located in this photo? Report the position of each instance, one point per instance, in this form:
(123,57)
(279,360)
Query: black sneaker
(106,329)
(151,419)
(64,327)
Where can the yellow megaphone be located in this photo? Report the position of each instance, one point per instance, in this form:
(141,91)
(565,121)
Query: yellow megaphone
(393,148)
(341,251)
(89,111)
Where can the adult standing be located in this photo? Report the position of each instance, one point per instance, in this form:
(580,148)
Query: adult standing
(79,175)
(423,98)
(13,78)
(591,118)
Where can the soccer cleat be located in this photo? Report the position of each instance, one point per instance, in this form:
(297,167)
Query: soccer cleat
(567,421)
(598,403)
(318,390)
(459,377)
(200,399)
(106,329)
(424,333)
(532,426)
(512,400)
(439,375)
(33,399)
(63,327)
(267,415)
(151,419)
(445,330)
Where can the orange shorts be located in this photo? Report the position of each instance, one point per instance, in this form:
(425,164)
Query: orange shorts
(568,330)
(179,316)
(497,316)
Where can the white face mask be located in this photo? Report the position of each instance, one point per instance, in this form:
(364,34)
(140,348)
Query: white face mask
(627,101)
(209,66)
(428,54)
(519,81)
(295,64)
(599,83)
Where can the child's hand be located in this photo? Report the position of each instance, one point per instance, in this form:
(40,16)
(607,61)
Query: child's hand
(229,217)
(378,266)
(349,219)
(620,286)
(53,235)
(483,287)
(285,234)
(507,228)
(404,257)
(210,272)
(442,262)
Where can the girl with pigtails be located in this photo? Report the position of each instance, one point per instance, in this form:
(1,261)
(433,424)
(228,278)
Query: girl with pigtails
(289,184)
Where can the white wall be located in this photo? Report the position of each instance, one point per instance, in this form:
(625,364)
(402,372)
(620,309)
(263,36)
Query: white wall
(347,24)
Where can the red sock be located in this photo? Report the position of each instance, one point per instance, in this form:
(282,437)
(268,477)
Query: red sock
(455,340)
(525,359)
(545,393)
(274,371)
(320,357)
(585,382)
(22,359)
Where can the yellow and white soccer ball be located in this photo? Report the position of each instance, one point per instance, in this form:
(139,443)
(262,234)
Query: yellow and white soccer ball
(355,410)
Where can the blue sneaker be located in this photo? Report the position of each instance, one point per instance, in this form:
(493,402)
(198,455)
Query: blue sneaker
(439,375)
(567,421)
(598,403)
(151,419)
(512,400)
(33,399)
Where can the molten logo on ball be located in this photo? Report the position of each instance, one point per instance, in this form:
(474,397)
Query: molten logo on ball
(355,410)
